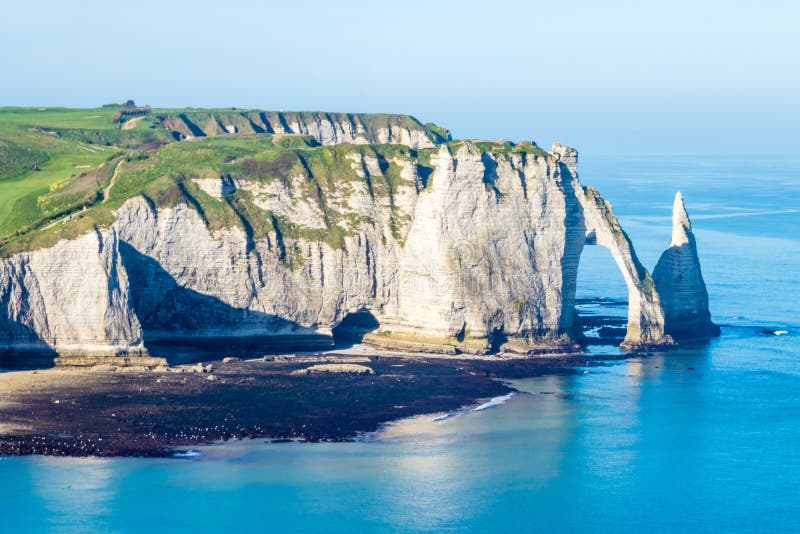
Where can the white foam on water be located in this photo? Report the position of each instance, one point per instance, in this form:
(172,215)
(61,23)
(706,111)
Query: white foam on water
(496,401)
(187,454)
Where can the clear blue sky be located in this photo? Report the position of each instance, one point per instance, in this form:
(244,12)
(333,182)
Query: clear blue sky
(607,77)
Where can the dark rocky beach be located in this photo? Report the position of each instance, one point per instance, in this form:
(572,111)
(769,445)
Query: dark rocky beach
(137,412)
(109,410)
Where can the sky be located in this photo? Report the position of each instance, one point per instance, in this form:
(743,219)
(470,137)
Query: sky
(611,77)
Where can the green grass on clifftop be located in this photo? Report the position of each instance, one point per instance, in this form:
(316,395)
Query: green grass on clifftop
(57,164)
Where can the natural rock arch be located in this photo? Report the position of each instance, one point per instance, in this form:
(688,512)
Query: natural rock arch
(590,220)
(645,313)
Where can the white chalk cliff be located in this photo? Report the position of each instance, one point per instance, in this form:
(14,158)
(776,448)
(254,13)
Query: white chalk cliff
(482,253)
(680,282)
(325,128)
(71,299)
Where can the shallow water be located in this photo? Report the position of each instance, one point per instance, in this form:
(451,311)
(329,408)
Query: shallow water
(697,439)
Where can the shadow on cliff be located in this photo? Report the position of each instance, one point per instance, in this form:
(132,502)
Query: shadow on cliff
(36,354)
(183,325)
(353,327)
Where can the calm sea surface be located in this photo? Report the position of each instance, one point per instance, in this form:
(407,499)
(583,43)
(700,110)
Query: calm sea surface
(701,439)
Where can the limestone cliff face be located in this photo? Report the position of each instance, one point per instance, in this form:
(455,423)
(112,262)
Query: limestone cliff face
(479,252)
(493,251)
(72,298)
(325,128)
(487,251)
(680,282)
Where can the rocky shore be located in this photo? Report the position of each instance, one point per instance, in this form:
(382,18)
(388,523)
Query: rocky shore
(134,411)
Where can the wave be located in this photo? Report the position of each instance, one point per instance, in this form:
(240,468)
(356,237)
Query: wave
(187,454)
(740,212)
(496,401)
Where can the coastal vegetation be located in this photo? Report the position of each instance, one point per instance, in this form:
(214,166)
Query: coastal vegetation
(64,171)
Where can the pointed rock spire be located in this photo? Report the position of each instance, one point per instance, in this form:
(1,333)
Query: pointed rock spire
(681,225)
(680,283)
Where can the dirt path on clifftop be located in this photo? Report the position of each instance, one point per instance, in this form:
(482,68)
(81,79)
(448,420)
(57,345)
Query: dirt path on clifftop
(107,190)
(131,124)
(106,193)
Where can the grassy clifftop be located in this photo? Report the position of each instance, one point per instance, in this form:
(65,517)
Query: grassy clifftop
(168,175)
(64,171)
(209,123)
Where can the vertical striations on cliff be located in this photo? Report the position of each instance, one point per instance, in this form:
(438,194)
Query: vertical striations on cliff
(679,281)
(450,246)
(73,298)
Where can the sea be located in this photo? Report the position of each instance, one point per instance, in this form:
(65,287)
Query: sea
(701,439)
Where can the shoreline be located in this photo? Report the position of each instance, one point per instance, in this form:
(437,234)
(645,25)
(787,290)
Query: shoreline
(331,396)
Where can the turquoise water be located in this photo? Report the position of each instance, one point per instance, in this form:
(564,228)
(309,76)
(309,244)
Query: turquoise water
(696,440)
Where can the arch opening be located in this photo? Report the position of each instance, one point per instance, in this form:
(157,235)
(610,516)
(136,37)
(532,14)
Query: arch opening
(601,299)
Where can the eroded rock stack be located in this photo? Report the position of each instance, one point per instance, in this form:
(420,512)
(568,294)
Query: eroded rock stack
(679,281)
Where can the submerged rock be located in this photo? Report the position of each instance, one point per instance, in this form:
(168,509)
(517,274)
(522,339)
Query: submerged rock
(771,332)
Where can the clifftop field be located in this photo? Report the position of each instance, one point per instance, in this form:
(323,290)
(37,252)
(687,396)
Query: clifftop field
(63,171)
